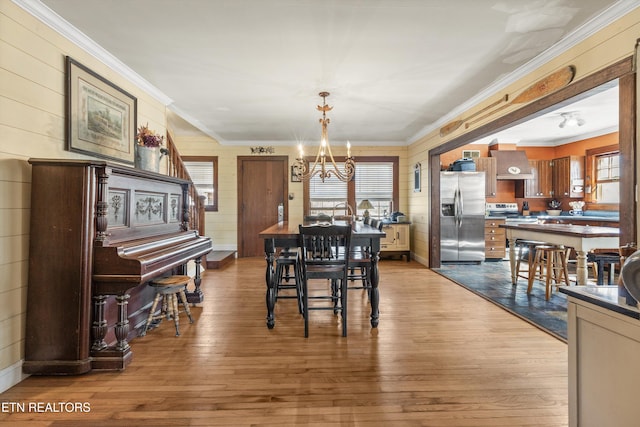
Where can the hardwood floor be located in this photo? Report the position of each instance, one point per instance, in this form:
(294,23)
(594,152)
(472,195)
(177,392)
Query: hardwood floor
(441,356)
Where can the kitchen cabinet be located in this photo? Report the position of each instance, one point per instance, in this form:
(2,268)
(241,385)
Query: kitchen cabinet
(568,176)
(495,242)
(488,166)
(540,186)
(604,343)
(397,241)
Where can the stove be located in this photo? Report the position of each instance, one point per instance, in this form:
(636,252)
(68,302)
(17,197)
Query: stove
(508,211)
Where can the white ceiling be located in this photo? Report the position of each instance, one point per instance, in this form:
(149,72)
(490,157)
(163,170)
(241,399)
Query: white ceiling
(249,71)
(598,108)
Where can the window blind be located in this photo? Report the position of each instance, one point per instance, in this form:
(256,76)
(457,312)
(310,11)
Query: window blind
(331,189)
(201,174)
(374,181)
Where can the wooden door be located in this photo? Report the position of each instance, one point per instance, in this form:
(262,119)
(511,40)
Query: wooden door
(262,186)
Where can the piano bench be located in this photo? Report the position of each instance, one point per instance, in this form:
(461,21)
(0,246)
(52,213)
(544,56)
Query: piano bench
(168,289)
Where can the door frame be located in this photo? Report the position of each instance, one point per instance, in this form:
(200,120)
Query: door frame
(622,70)
(241,160)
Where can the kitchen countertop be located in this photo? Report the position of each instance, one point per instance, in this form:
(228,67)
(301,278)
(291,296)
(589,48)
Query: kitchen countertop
(590,217)
(602,296)
(395,222)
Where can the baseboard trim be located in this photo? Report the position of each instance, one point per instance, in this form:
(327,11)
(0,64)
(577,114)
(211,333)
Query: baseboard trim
(11,376)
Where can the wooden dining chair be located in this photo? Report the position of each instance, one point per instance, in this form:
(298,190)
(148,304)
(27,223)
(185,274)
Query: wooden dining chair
(287,275)
(360,258)
(324,258)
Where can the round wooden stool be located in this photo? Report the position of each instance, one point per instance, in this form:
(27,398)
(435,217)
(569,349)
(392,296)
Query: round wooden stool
(168,289)
(552,260)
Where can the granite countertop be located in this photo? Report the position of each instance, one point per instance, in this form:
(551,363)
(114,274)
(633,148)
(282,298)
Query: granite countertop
(605,216)
(589,217)
(602,296)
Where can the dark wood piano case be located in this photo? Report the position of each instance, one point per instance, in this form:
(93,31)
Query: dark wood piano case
(98,233)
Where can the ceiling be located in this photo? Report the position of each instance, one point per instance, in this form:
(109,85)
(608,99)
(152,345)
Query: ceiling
(249,71)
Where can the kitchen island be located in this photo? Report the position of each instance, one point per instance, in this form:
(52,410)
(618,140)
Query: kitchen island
(582,238)
(604,343)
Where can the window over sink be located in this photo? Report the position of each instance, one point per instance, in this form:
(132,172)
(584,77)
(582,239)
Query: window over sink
(602,178)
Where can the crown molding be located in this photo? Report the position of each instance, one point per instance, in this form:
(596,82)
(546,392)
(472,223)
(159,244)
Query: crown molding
(589,28)
(63,27)
(196,123)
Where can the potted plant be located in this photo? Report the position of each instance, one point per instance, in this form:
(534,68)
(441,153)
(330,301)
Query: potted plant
(554,208)
(149,149)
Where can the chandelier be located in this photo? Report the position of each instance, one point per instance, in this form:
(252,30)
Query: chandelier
(324,164)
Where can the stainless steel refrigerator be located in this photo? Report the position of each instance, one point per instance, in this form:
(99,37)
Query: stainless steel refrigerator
(462,210)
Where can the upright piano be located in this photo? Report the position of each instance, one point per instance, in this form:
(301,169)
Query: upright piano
(98,233)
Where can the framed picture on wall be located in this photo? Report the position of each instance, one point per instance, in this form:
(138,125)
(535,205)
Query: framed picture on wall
(416,178)
(100,116)
(294,174)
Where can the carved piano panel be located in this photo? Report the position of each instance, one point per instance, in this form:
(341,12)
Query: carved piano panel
(99,232)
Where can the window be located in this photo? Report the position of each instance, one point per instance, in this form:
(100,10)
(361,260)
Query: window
(323,196)
(204,175)
(602,177)
(608,178)
(376,180)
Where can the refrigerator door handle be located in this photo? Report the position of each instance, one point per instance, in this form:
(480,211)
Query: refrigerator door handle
(461,208)
(456,206)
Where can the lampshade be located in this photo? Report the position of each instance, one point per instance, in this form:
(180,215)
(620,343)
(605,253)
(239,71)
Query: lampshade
(365,204)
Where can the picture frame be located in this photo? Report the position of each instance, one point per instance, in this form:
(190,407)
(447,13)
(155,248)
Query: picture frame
(294,175)
(100,116)
(417,178)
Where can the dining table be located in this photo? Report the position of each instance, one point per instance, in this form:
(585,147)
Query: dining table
(582,238)
(286,235)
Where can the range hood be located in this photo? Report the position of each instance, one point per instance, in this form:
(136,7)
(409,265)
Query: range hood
(512,164)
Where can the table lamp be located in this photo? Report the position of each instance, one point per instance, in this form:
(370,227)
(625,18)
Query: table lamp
(365,204)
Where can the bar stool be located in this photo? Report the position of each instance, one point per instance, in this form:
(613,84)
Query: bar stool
(168,289)
(526,250)
(552,260)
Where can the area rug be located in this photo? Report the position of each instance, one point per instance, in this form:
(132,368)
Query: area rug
(492,281)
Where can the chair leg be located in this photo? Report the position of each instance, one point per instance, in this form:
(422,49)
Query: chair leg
(298,281)
(565,268)
(183,299)
(537,263)
(344,307)
(518,261)
(154,305)
(305,307)
(173,300)
(549,262)
(336,297)
(612,272)
(278,278)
